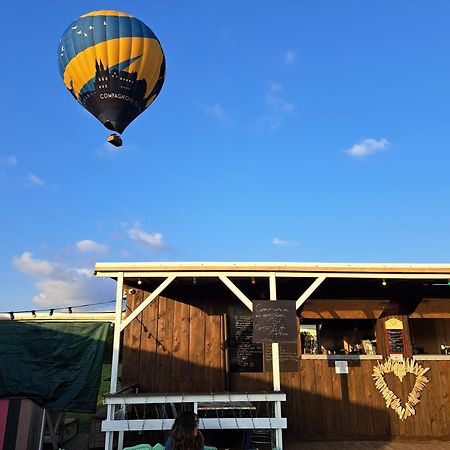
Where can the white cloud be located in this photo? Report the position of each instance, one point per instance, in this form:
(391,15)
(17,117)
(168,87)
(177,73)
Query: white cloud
(154,240)
(8,160)
(35,180)
(87,245)
(217,112)
(290,57)
(61,285)
(282,243)
(276,102)
(280,109)
(34,267)
(367,147)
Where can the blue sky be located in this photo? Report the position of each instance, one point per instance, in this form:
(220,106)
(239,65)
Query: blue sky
(301,131)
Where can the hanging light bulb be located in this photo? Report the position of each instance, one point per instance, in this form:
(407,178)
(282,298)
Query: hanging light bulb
(33,313)
(51,312)
(253,281)
(139,281)
(194,281)
(384,282)
(69,309)
(11,315)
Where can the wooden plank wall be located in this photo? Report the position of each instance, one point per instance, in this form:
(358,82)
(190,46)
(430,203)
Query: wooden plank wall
(174,346)
(179,347)
(322,404)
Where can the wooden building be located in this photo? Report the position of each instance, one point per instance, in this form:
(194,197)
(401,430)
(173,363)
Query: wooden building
(188,332)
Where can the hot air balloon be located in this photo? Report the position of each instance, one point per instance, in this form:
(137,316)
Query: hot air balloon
(114,66)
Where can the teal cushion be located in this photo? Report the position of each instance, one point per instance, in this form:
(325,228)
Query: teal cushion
(140,447)
(158,446)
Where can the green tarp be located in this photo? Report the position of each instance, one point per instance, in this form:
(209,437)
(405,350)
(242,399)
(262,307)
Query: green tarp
(57,364)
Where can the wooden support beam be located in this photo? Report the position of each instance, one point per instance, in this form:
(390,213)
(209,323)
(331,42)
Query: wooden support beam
(315,284)
(147,301)
(237,292)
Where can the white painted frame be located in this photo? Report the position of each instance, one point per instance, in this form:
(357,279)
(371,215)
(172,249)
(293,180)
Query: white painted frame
(125,401)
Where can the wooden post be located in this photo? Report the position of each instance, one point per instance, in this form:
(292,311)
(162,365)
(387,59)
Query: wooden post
(226,354)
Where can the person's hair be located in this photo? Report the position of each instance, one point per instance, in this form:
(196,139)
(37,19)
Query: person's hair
(183,432)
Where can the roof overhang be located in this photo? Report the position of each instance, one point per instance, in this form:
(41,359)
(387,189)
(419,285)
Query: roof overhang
(350,270)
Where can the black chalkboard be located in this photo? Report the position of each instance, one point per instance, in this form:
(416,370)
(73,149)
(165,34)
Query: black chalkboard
(395,341)
(287,353)
(244,354)
(274,321)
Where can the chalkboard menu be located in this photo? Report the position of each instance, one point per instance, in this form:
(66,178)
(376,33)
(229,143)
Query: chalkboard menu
(274,321)
(244,354)
(394,336)
(287,354)
(395,341)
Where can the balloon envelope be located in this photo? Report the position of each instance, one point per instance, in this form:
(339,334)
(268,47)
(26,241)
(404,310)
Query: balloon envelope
(113,64)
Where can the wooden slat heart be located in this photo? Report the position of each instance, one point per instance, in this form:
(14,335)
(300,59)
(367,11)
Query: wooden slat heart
(400,369)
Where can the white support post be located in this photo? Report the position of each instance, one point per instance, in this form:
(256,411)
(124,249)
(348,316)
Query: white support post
(276,366)
(314,285)
(42,430)
(115,357)
(237,292)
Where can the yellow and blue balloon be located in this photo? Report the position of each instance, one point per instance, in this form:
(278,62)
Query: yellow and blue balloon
(113,64)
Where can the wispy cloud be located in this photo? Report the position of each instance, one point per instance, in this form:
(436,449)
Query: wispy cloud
(283,243)
(290,57)
(8,160)
(276,102)
(35,180)
(368,147)
(152,240)
(216,111)
(87,245)
(280,108)
(62,285)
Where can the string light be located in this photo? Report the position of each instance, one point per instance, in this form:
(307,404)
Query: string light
(52,310)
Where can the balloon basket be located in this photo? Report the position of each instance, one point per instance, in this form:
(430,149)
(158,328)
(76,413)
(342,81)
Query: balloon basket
(115,140)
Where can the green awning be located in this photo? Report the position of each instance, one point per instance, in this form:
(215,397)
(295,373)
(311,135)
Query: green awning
(57,364)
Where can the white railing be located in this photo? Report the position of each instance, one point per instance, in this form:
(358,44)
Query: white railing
(217,402)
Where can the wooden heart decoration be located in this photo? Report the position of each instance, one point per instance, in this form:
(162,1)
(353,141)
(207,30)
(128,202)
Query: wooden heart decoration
(400,369)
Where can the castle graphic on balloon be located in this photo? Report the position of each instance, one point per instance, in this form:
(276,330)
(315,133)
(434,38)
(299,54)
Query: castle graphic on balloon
(113,65)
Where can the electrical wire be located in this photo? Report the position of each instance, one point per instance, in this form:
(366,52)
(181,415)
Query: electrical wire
(58,308)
